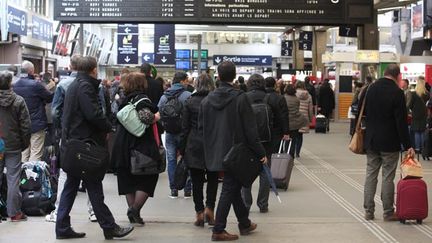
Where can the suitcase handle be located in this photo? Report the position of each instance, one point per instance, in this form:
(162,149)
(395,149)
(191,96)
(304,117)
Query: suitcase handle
(282,143)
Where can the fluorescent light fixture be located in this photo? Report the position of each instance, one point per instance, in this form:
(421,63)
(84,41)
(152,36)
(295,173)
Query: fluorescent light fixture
(255,27)
(389,9)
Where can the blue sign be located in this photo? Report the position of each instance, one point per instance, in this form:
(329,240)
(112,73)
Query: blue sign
(127,42)
(204,65)
(164,38)
(42,29)
(244,60)
(183,65)
(17,21)
(183,54)
(147,57)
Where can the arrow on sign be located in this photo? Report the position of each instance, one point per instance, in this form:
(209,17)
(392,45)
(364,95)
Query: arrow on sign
(127,30)
(264,60)
(146,58)
(164,59)
(218,60)
(127,59)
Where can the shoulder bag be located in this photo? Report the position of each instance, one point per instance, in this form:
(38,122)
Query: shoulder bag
(356,144)
(128,116)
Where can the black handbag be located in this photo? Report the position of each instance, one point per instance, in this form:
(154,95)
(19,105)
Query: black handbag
(241,161)
(142,164)
(180,176)
(84,158)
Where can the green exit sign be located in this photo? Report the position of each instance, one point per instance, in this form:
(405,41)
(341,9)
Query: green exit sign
(204,54)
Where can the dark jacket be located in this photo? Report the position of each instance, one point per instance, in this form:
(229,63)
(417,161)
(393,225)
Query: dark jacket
(326,100)
(124,141)
(386,117)
(219,112)
(36,97)
(311,89)
(14,121)
(83,117)
(155,90)
(280,113)
(191,142)
(418,109)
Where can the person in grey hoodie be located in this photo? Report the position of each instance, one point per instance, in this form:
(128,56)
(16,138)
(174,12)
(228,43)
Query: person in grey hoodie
(15,128)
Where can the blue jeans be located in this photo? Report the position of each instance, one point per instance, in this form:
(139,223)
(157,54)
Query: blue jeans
(172,142)
(418,140)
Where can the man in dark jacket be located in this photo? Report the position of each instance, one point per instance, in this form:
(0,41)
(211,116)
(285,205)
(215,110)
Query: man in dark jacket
(386,131)
(311,89)
(257,94)
(36,97)
(155,89)
(172,140)
(83,119)
(326,101)
(216,121)
(15,131)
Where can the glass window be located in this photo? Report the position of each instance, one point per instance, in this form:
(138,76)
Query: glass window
(259,38)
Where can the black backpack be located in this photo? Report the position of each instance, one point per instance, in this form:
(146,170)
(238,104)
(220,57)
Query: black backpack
(264,117)
(171,114)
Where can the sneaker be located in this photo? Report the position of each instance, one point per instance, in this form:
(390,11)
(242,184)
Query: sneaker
(52,217)
(19,217)
(391,217)
(92,217)
(369,216)
(187,195)
(174,193)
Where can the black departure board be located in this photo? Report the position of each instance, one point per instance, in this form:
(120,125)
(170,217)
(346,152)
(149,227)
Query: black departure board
(322,12)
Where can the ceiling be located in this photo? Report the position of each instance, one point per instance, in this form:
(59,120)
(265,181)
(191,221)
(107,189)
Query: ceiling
(387,4)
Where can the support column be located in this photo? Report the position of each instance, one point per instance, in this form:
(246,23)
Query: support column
(369,35)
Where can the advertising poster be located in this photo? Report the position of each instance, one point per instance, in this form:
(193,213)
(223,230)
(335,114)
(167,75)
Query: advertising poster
(417,21)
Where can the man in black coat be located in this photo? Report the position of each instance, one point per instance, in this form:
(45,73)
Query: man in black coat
(386,131)
(83,118)
(219,111)
(155,89)
(326,101)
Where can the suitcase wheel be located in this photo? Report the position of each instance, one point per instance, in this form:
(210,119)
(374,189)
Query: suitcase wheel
(419,221)
(402,221)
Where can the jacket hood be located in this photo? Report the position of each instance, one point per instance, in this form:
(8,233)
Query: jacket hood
(7,97)
(302,94)
(174,90)
(222,96)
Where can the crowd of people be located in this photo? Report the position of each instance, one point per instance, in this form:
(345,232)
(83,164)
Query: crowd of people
(199,120)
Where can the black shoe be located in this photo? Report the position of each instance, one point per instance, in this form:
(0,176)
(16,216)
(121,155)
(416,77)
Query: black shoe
(117,232)
(134,216)
(264,210)
(71,234)
(174,193)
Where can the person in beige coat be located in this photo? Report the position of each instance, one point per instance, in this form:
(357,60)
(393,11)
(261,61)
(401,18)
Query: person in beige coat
(306,109)
(296,119)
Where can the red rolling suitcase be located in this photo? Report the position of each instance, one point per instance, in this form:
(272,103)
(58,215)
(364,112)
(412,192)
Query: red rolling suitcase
(412,200)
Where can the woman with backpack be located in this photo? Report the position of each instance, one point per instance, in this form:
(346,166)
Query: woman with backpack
(137,188)
(192,150)
(296,119)
(306,109)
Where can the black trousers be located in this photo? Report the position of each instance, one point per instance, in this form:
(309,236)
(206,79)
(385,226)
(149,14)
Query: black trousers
(198,179)
(95,193)
(231,194)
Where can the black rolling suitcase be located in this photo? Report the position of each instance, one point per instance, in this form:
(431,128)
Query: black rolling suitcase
(321,124)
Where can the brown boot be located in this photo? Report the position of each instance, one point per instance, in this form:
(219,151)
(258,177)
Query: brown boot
(209,216)
(223,236)
(199,219)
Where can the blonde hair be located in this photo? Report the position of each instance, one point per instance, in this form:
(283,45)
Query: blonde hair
(420,88)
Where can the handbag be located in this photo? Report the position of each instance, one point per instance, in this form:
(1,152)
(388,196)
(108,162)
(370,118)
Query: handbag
(411,167)
(141,164)
(128,116)
(84,158)
(181,174)
(313,122)
(241,161)
(356,144)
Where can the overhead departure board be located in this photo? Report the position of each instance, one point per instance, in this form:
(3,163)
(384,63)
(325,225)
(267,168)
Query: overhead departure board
(330,12)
